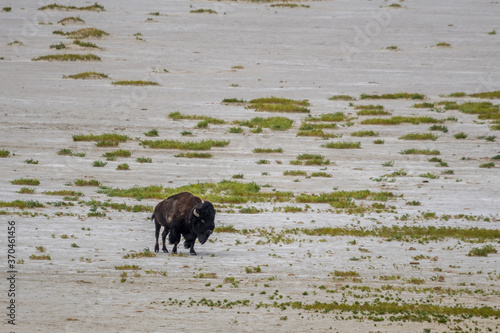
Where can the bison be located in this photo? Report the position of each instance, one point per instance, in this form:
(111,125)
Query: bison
(183,214)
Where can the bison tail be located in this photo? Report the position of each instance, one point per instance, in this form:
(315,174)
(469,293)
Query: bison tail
(153,216)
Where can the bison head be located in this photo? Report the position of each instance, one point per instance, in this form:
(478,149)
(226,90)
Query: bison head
(203,220)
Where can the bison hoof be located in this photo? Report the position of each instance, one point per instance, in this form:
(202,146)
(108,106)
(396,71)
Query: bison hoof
(193,253)
(164,250)
(157,248)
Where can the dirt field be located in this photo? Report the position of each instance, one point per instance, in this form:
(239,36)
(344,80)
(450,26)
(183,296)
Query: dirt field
(388,234)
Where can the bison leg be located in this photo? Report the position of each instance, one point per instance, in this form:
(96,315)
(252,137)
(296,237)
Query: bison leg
(157,234)
(163,236)
(189,244)
(174,238)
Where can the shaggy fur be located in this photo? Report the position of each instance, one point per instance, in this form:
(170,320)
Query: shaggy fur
(183,214)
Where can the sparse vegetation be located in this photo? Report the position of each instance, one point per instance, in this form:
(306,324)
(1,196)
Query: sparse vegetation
(310,159)
(85,44)
(364,133)
(443,44)
(342,98)
(343,145)
(123,166)
(482,251)
(134,83)
(194,155)
(4,153)
(402,95)
(460,135)
(153,132)
(419,136)
(26,181)
(144,160)
(276,104)
(187,145)
(487,165)
(87,76)
(415,151)
(273,123)
(68,57)
(203,11)
(99,164)
(113,137)
(82,33)
(397,120)
(95,7)
(84,182)
(71,19)
(267,150)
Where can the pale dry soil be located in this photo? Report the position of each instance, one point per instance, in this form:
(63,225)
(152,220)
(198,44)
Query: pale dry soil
(248,50)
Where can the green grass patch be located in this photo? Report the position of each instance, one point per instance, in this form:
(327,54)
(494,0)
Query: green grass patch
(127,267)
(70,20)
(424,105)
(113,137)
(99,164)
(235,130)
(397,120)
(4,153)
(294,173)
(82,33)
(482,251)
(402,95)
(84,182)
(26,190)
(343,145)
(273,123)
(223,192)
(419,136)
(314,126)
(373,113)
(85,44)
(321,174)
(267,150)
(234,101)
(187,145)
(416,151)
(429,175)
(68,57)
(6,9)
(342,98)
(194,155)
(460,135)
(316,132)
(310,159)
(364,133)
(123,166)
(203,11)
(488,94)
(441,128)
(31,161)
(151,133)
(87,76)
(69,152)
(139,83)
(488,165)
(59,46)
(95,7)
(64,193)
(144,160)
(443,44)
(21,204)
(331,117)
(111,156)
(26,181)
(209,120)
(276,104)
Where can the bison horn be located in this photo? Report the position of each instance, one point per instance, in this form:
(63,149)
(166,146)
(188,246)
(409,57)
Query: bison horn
(195,213)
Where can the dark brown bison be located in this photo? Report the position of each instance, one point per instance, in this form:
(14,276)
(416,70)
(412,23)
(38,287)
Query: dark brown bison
(183,214)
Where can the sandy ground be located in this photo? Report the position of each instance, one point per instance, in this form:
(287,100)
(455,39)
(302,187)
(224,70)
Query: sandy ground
(247,50)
